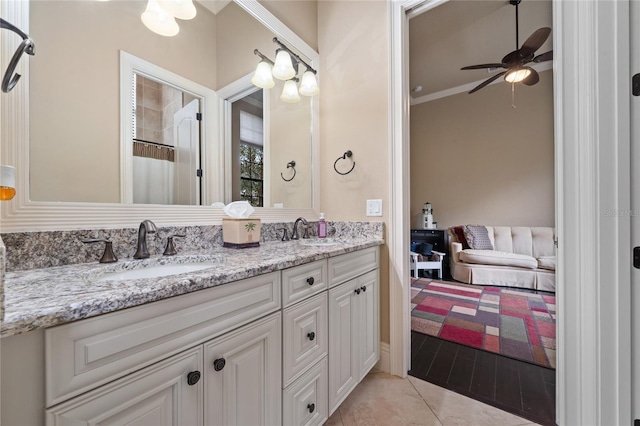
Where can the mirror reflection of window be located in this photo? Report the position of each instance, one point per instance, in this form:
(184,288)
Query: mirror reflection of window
(248,141)
(166,143)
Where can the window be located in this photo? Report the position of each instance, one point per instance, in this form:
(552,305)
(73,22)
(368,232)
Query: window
(251,159)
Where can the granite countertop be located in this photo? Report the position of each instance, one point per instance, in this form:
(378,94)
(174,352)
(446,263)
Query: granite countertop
(40,298)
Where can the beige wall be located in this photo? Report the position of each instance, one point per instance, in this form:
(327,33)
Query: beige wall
(299,15)
(477,160)
(75,84)
(354,116)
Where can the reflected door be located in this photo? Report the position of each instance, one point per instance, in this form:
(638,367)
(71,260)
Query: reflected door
(186,133)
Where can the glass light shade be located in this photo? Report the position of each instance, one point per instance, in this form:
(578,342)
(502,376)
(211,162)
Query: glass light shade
(181,9)
(290,92)
(516,76)
(7,183)
(157,20)
(309,84)
(283,67)
(262,77)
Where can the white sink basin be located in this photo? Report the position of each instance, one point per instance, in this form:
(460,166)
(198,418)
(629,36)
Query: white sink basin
(158,271)
(321,242)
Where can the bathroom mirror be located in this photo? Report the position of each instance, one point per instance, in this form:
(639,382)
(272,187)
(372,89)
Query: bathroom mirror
(91,198)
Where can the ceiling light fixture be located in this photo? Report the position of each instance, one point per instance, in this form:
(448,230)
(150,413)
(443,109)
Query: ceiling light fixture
(517,75)
(285,68)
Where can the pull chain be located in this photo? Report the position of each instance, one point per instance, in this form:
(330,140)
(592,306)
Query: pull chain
(513,95)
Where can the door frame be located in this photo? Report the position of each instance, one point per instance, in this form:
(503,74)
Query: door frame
(592,175)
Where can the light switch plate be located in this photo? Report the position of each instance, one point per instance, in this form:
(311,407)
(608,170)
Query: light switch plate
(374,207)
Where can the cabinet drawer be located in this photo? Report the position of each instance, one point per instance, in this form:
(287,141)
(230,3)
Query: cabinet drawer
(303,281)
(344,267)
(305,401)
(86,354)
(305,334)
(161,394)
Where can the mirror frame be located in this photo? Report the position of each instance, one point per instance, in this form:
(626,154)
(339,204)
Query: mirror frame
(22,214)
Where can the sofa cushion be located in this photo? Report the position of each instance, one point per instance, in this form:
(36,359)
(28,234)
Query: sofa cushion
(459,231)
(477,237)
(547,262)
(498,258)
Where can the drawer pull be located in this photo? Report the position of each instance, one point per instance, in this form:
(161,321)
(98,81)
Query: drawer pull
(193,378)
(310,280)
(363,288)
(311,407)
(357,291)
(219,364)
(311,335)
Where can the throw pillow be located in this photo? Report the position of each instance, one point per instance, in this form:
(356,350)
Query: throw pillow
(425,249)
(459,231)
(477,237)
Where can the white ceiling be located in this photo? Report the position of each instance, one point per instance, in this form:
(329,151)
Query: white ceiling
(468,32)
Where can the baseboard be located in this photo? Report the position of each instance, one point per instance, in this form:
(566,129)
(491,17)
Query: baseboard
(384,363)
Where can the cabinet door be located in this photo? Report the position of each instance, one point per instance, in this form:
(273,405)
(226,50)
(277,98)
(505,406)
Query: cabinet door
(243,376)
(344,372)
(163,394)
(368,322)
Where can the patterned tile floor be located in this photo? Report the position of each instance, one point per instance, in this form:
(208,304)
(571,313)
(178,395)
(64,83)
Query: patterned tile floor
(384,400)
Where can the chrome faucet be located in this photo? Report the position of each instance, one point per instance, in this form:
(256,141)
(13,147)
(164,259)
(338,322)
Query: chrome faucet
(294,235)
(145,226)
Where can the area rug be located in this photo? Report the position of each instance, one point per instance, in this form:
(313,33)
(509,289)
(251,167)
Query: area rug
(509,322)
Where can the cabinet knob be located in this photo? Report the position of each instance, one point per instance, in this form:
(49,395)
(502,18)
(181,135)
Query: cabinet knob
(363,288)
(219,364)
(310,280)
(311,335)
(311,407)
(357,291)
(193,378)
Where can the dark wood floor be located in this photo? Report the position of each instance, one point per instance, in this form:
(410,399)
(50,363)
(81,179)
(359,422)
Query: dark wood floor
(518,387)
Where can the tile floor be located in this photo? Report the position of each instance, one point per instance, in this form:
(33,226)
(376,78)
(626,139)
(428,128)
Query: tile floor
(382,399)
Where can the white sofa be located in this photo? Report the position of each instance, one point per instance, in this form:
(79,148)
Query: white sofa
(521,257)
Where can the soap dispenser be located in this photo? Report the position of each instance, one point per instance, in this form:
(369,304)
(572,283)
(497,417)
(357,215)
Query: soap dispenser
(322,227)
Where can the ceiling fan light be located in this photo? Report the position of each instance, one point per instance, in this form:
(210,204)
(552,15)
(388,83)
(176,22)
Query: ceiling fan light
(517,75)
(283,67)
(158,20)
(262,77)
(309,84)
(290,92)
(181,9)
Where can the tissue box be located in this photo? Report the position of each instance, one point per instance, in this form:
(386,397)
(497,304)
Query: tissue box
(241,233)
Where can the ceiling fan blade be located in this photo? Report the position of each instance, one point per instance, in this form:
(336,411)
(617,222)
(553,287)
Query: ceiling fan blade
(512,58)
(534,41)
(482,66)
(487,81)
(532,79)
(547,56)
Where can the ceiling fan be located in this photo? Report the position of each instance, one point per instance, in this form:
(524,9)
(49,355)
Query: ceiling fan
(514,63)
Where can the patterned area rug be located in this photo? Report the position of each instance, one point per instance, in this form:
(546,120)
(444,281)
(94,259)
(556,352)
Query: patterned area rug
(512,323)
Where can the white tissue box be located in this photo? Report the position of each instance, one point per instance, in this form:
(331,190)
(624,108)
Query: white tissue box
(241,233)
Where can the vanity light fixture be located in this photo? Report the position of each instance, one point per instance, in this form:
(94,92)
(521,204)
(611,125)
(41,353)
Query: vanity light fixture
(160,15)
(159,20)
(285,68)
(290,91)
(7,183)
(181,9)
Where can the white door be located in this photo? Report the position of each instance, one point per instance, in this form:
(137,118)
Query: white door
(243,376)
(168,393)
(635,207)
(186,134)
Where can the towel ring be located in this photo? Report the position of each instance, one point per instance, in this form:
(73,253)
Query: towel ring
(27,46)
(346,155)
(291,164)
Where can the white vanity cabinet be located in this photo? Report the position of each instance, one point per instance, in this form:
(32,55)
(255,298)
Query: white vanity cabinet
(282,348)
(354,330)
(164,394)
